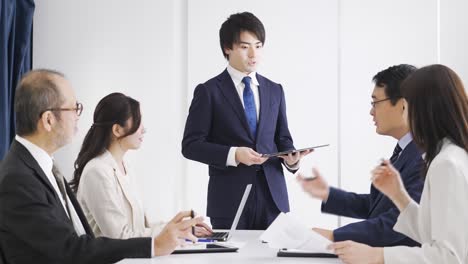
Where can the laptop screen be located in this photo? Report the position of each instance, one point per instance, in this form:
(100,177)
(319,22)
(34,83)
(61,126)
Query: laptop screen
(240,209)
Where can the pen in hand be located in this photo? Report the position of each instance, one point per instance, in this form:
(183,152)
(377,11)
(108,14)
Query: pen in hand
(309,178)
(192,215)
(382,162)
(202,240)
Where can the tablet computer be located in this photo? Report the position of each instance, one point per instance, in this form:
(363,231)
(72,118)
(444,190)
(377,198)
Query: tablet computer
(292,151)
(204,248)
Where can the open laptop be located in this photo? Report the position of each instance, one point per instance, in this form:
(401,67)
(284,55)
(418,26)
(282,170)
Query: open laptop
(224,236)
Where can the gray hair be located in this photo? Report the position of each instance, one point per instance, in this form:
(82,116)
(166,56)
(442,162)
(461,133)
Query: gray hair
(36,92)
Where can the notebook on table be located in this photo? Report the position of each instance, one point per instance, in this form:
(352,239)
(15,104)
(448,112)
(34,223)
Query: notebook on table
(304,254)
(204,248)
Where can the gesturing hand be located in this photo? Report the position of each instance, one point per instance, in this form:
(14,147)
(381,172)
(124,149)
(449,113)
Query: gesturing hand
(317,187)
(387,180)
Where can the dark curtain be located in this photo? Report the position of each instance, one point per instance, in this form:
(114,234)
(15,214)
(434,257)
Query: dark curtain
(16,18)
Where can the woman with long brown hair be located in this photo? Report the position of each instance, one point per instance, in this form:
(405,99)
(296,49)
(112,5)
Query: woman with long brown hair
(103,181)
(438,116)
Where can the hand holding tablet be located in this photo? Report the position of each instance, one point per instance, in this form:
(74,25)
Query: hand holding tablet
(293,151)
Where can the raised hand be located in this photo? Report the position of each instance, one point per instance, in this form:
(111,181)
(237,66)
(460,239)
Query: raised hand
(317,186)
(387,180)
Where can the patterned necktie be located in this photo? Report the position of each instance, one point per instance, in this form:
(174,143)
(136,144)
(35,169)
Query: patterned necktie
(249,106)
(61,185)
(396,153)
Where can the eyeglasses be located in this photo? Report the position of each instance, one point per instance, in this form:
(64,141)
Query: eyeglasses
(373,103)
(78,109)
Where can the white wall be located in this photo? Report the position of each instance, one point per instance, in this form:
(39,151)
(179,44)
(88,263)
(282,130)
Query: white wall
(374,36)
(324,52)
(454,36)
(309,35)
(107,46)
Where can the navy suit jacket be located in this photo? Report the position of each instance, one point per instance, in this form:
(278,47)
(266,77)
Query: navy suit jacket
(216,122)
(34,227)
(379,212)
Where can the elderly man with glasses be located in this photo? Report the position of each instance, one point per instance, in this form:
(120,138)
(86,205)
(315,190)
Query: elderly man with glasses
(40,218)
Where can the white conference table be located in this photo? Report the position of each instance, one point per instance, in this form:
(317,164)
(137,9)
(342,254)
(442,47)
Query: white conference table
(253,251)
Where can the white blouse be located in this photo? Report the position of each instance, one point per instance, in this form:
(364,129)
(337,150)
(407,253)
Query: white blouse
(440,221)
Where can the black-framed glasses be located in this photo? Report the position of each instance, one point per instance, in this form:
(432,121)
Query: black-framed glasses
(78,109)
(373,103)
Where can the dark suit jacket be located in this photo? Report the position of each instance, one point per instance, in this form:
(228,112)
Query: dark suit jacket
(217,121)
(378,210)
(2,258)
(34,227)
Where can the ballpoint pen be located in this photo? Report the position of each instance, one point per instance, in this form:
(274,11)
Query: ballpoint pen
(206,240)
(202,240)
(192,215)
(310,178)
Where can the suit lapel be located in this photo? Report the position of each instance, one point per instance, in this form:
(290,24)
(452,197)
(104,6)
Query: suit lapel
(378,197)
(124,187)
(126,193)
(232,96)
(264,96)
(32,163)
(406,154)
(78,210)
(29,160)
(398,165)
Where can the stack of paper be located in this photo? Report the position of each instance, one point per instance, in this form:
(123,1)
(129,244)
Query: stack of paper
(288,232)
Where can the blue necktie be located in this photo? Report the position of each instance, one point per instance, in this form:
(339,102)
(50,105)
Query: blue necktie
(249,106)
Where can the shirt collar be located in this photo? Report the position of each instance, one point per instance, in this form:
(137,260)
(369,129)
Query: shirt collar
(405,140)
(237,76)
(41,156)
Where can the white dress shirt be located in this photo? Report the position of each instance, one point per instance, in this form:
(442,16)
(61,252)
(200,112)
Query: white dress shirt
(237,78)
(46,163)
(439,221)
(404,141)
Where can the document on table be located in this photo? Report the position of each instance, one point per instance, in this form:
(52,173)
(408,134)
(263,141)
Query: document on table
(288,232)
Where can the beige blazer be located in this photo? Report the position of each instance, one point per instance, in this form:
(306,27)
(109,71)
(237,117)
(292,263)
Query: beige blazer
(110,201)
(440,222)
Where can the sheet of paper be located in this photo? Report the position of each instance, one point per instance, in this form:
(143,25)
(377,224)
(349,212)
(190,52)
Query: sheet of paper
(288,232)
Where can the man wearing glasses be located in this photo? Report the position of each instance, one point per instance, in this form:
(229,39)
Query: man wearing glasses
(379,214)
(40,218)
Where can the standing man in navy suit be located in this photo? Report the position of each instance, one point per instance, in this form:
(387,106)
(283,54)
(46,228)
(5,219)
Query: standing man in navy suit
(379,213)
(233,119)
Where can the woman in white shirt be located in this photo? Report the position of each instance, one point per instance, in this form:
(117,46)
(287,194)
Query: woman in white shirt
(104,182)
(438,116)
